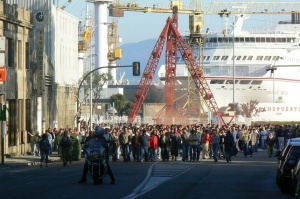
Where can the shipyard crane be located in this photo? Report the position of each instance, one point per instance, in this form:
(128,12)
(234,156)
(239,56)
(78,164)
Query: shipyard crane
(114,52)
(174,43)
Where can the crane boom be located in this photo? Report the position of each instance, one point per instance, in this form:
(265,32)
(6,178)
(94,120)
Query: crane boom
(174,42)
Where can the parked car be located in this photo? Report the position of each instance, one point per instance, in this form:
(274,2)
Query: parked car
(281,156)
(295,180)
(288,161)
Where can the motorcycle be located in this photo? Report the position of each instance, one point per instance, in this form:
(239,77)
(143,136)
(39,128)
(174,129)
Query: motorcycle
(97,166)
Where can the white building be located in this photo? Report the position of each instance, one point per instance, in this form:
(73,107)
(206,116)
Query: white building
(57,104)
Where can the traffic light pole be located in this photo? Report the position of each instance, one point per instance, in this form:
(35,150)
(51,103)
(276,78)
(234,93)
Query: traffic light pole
(136,72)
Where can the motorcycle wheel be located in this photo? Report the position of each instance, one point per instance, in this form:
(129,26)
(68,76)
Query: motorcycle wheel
(96,180)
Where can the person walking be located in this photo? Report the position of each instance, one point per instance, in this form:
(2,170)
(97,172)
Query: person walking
(153,145)
(44,149)
(229,145)
(175,144)
(264,135)
(194,142)
(164,143)
(270,141)
(185,144)
(143,142)
(36,140)
(245,139)
(66,148)
(215,139)
(124,142)
(205,143)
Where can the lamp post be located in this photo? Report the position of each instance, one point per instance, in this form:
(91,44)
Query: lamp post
(91,83)
(136,72)
(233,70)
(272,68)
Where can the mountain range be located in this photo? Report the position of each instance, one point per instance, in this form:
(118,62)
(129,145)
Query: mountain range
(140,52)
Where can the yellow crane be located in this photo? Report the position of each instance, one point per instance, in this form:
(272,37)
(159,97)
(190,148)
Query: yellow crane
(114,52)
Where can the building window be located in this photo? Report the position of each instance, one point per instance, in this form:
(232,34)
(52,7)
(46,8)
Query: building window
(250,57)
(28,119)
(12,124)
(10,52)
(267,58)
(27,61)
(224,57)
(20,54)
(259,58)
(216,58)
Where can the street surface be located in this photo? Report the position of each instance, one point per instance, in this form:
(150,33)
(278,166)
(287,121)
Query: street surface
(243,178)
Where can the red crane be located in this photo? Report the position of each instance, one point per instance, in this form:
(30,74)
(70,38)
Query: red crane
(174,43)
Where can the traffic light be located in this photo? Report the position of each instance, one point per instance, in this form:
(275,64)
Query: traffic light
(78,119)
(136,68)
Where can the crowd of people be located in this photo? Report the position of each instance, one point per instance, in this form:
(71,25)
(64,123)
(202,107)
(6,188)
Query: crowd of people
(142,143)
(53,140)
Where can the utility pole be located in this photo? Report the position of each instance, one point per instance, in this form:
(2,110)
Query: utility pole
(3,100)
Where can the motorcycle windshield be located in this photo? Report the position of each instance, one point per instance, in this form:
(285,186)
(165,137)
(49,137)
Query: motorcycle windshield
(95,146)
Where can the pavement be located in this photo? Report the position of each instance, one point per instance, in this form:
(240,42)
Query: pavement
(26,160)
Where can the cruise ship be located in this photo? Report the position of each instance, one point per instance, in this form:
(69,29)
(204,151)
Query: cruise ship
(265,66)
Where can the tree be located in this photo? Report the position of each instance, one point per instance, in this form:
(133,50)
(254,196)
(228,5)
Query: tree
(121,104)
(98,81)
(249,109)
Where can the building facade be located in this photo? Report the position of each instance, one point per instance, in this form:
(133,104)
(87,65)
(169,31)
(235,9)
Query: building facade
(42,70)
(16,28)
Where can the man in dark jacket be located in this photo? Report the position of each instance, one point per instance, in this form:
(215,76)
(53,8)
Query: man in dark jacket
(228,145)
(66,148)
(143,141)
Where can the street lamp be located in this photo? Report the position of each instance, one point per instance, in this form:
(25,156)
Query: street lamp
(272,68)
(136,72)
(233,70)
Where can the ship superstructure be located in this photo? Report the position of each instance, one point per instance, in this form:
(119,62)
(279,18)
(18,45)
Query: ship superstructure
(263,64)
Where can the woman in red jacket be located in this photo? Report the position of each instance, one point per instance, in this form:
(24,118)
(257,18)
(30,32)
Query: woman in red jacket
(153,145)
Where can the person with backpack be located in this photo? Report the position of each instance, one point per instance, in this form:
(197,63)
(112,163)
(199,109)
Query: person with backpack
(66,148)
(44,149)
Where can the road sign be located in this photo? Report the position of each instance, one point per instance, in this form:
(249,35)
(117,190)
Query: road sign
(216,118)
(2,73)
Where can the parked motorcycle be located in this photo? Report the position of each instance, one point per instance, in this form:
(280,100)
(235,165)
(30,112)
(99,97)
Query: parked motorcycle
(97,166)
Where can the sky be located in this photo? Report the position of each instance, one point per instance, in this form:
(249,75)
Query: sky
(136,26)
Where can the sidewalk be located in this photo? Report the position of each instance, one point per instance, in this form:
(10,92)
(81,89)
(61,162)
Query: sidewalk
(26,160)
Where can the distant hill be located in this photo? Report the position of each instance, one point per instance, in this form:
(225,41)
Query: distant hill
(139,51)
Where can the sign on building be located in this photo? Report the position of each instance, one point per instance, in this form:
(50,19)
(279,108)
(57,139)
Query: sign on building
(2,73)
(40,61)
(40,17)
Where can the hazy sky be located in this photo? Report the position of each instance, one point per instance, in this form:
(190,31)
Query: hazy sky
(136,26)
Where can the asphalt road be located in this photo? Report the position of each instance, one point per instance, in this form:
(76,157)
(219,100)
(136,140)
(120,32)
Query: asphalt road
(243,178)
